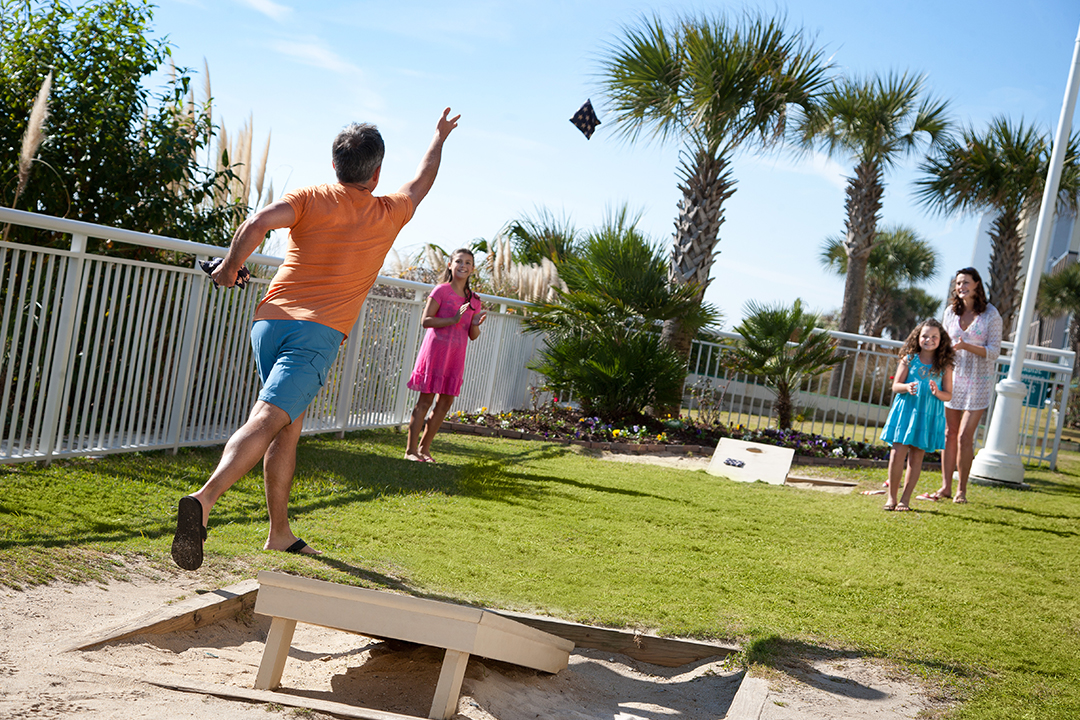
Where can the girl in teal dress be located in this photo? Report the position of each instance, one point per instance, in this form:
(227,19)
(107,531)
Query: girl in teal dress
(916,421)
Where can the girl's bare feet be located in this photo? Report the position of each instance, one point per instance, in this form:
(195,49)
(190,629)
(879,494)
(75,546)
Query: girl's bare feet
(960,498)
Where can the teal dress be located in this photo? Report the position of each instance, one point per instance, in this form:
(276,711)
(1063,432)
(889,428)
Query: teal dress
(917,420)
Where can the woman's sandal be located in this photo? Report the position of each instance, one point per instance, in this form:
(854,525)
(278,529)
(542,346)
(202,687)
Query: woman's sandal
(902,507)
(889,507)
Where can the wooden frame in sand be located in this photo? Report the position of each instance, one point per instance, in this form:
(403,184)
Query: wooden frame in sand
(460,630)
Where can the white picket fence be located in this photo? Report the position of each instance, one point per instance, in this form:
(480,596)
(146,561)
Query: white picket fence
(103,355)
(107,355)
(866,393)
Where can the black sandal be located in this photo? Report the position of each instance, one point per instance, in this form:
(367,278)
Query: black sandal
(187,544)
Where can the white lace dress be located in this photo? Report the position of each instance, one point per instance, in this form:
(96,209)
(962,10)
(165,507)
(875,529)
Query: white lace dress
(974,376)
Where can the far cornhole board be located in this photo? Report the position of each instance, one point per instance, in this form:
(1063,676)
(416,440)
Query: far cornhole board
(460,630)
(767,463)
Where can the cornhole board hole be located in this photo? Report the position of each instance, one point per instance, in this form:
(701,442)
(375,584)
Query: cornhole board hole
(461,631)
(767,463)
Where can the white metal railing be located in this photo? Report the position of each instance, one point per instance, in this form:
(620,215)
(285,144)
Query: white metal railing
(102,355)
(866,393)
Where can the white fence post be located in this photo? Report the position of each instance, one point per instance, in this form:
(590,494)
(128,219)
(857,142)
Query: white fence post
(1062,411)
(60,362)
(493,369)
(400,405)
(181,394)
(348,375)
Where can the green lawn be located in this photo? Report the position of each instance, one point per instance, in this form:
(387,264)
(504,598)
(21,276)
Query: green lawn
(981,598)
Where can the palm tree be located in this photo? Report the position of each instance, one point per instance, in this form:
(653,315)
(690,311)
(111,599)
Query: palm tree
(1002,170)
(543,236)
(713,84)
(898,259)
(877,121)
(1059,294)
(784,347)
(912,307)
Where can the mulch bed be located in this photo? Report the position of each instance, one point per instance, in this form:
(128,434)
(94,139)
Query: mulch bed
(652,436)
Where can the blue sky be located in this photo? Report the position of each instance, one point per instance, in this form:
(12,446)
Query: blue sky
(517,70)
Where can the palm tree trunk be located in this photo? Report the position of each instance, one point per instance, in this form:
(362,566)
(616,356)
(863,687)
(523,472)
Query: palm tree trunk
(1006,258)
(706,184)
(864,193)
(880,304)
(784,407)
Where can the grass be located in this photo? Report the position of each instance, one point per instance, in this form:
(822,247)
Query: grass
(979,598)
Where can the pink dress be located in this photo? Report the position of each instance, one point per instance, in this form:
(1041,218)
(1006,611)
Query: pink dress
(440,366)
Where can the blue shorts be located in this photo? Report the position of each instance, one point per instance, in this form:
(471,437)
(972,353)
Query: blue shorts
(293,357)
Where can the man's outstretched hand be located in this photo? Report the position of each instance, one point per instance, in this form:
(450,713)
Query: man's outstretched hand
(446,123)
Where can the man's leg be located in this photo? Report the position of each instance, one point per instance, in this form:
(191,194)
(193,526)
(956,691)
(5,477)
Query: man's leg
(279,467)
(244,449)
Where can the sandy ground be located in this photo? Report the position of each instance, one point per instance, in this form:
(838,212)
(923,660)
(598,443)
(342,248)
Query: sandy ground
(41,678)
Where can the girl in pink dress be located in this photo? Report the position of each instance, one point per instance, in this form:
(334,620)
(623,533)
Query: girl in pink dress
(452,317)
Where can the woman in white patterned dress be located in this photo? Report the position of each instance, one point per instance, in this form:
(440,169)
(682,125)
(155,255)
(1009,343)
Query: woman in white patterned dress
(975,326)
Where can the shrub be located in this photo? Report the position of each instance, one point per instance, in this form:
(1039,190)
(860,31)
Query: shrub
(602,342)
(614,372)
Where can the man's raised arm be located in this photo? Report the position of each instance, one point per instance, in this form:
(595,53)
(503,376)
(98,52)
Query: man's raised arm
(417,188)
(249,236)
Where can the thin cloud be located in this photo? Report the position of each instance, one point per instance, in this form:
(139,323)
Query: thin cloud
(317,55)
(269,8)
(815,164)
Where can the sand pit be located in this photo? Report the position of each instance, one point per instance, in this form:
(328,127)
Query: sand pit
(40,678)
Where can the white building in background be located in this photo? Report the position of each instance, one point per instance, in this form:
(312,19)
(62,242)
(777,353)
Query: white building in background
(1064,250)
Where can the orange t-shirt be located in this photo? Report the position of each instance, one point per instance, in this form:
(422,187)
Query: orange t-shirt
(335,250)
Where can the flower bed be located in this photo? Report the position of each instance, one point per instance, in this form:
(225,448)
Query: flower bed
(567,424)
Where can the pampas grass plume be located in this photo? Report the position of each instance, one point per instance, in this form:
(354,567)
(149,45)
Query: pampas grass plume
(261,174)
(33,136)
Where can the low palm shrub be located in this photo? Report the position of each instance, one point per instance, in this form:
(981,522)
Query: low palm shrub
(783,346)
(603,345)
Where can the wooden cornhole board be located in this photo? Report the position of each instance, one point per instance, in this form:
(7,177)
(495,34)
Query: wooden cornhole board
(461,631)
(767,463)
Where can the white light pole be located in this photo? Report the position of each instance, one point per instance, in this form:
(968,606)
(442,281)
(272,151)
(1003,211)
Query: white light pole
(998,460)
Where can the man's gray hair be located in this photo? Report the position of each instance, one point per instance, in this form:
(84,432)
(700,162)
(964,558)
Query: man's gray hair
(358,152)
